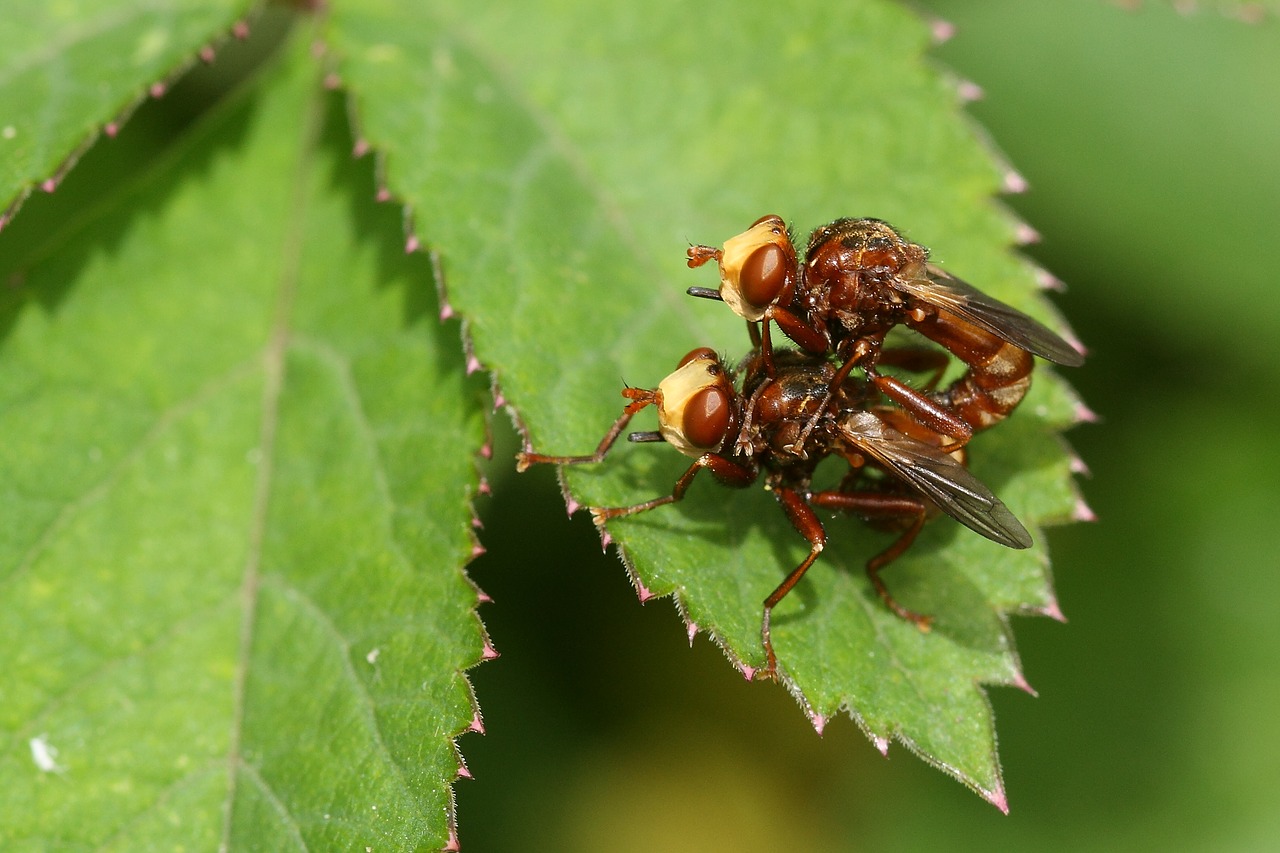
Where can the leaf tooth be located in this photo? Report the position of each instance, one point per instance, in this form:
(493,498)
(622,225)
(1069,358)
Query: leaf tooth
(1019,681)
(207,54)
(748,671)
(691,628)
(240,30)
(1083,512)
(819,722)
(489,652)
(1085,415)
(969,91)
(942,30)
(643,592)
(478,550)
(360,149)
(1048,281)
(1014,182)
(477,723)
(1078,465)
(1025,235)
(473,363)
(452,845)
(158,89)
(463,772)
(49,184)
(412,244)
(1052,609)
(499,401)
(881,744)
(111,128)
(332,81)
(483,487)
(571,504)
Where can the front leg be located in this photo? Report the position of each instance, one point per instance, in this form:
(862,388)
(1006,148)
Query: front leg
(726,471)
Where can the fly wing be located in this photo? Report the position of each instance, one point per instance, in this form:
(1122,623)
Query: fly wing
(936,475)
(934,286)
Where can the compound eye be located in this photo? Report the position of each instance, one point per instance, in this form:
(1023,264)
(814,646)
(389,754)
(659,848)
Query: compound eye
(763,275)
(707,418)
(695,354)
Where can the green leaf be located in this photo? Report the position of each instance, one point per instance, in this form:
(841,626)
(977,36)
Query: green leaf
(236,483)
(69,69)
(560,157)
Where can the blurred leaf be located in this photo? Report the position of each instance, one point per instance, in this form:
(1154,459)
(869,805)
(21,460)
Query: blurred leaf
(236,478)
(559,157)
(67,69)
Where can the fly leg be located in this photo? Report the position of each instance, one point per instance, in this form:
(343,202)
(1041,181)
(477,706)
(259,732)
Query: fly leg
(805,520)
(879,506)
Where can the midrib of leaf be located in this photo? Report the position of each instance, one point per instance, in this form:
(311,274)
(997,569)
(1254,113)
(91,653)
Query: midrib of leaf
(273,367)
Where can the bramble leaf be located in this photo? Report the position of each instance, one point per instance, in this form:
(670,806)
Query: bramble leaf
(69,70)
(560,175)
(236,482)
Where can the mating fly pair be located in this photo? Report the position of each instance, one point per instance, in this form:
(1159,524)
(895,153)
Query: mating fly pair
(791,409)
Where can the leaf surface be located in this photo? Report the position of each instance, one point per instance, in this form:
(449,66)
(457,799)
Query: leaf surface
(69,69)
(236,488)
(560,157)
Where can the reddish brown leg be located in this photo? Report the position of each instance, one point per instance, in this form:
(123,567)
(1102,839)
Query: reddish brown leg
(925,409)
(639,399)
(877,505)
(725,470)
(804,520)
(807,337)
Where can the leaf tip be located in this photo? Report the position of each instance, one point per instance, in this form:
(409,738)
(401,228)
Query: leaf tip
(997,797)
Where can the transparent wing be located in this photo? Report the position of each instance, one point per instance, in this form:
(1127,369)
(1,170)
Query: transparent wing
(936,475)
(936,287)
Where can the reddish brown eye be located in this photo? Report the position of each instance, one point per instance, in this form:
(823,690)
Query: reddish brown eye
(763,275)
(771,218)
(700,352)
(707,416)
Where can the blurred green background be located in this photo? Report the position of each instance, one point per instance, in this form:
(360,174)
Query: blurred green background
(1151,141)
